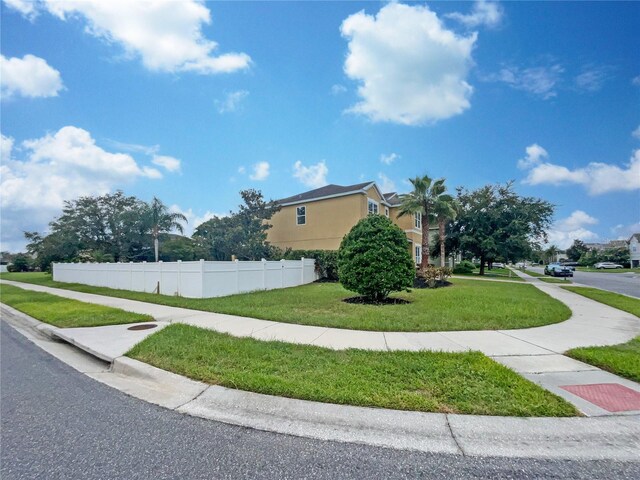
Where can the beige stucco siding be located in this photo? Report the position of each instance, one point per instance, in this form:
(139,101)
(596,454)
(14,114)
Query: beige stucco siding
(327,222)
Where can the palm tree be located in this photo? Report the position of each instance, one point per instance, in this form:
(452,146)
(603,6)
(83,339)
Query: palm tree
(444,210)
(551,252)
(162,220)
(421,201)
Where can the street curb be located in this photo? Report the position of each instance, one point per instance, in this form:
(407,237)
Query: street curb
(612,438)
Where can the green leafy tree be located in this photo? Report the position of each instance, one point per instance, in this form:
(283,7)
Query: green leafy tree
(374,259)
(21,263)
(421,201)
(551,252)
(160,220)
(242,233)
(576,250)
(494,222)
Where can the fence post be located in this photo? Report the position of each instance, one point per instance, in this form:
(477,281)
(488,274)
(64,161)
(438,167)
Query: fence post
(160,281)
(264,274)
(237,275)
(131,276)
(144,276)
(202,278)
(282,273)
(179,285)
(301,270)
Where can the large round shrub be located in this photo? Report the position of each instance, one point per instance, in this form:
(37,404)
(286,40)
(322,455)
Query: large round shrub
(374,259)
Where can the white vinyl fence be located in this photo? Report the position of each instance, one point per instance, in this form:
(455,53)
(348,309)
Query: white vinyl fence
(190,279)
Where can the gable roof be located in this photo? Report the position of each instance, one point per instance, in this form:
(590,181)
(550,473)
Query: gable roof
(634,235)
(328,191)
(392,198)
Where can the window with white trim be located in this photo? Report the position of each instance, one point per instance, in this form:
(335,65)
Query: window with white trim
(417,220)
(418,253)
(373,206)
(386,211)
(301,215)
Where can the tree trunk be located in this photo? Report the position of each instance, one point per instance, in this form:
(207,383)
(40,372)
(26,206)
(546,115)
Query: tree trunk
(481,264)
(425,240)
(155,247)
(442,239)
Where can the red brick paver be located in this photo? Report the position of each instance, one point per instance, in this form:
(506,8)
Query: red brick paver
(613,397)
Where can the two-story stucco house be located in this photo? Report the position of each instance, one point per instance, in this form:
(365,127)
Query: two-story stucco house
(320,218)
(634,250)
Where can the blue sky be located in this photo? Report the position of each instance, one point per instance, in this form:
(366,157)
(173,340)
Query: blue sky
(193,101)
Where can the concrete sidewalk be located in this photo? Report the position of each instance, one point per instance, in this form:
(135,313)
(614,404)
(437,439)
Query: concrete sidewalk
(592,323)
(535,353)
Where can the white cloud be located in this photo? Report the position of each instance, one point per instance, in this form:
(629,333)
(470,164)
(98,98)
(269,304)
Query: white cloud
(411,69)
(193,219)
(338,89)
(592,78)
(134,147)
(6,147)
(540,81)
(623,232)
(260,171)
(636,81)
(26,7)
(597,178)
(170,164)
(231,102)
(165,34)
(314,176)
(242,170)
(29,76)
(386,184)
(563,232)
(389,159)
(636,133)
(55,168)
(484,13)
(535,154)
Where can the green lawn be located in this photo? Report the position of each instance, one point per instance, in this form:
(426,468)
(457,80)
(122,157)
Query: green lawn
(608,270)
(467,305)
(425,381)
(496,273)
(63,312)
(623,359)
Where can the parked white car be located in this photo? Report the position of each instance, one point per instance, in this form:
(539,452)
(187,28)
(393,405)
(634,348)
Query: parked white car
(602,265)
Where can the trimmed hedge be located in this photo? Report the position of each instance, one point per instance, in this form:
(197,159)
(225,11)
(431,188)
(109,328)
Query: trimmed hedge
(326,261)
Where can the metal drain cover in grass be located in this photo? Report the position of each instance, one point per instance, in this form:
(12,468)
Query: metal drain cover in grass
(145,326)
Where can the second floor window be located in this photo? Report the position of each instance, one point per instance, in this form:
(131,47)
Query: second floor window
(418,220)
(301,215)
(373,206)
(386,211)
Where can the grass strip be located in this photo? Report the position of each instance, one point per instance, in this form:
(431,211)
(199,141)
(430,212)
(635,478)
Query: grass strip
(467,305)
(424,381)
(63,312)
(615,300)
(534,274)
(564,280)
(622,359)
(608,270)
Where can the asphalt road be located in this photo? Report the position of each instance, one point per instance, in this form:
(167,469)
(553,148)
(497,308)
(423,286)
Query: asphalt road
(58,423)
(626,283)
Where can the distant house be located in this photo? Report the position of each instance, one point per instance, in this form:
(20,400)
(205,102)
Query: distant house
(634,250)
(320,218)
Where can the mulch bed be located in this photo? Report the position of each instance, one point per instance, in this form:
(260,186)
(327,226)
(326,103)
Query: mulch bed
(422,283)
(386,301)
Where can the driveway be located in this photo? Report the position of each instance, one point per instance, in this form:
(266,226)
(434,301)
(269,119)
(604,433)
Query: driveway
(625,283)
